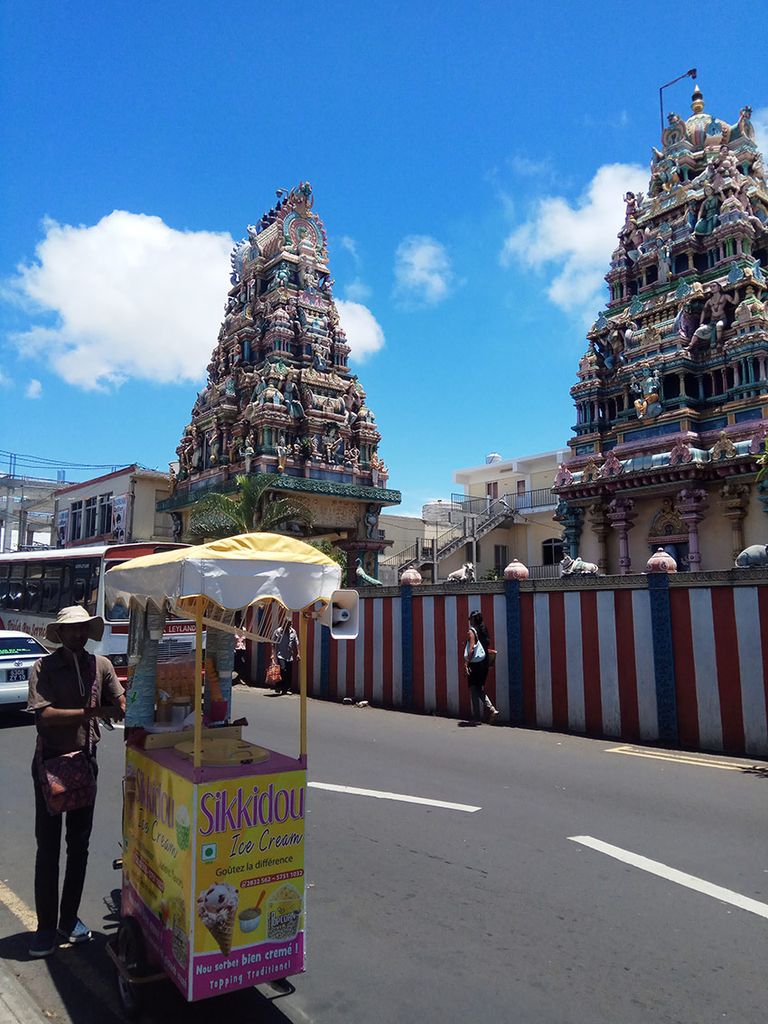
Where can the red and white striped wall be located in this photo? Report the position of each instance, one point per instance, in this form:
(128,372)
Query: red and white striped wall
(675,663)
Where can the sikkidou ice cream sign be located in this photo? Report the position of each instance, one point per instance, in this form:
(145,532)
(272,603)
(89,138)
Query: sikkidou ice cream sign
(223,810)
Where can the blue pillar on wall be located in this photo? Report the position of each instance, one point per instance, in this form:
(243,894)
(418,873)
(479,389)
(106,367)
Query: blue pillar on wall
(406,634)
(514,652)
(663,656)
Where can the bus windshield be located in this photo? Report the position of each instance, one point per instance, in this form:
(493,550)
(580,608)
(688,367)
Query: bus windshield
(114,612)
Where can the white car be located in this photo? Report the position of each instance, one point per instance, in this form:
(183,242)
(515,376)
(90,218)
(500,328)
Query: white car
(18,653)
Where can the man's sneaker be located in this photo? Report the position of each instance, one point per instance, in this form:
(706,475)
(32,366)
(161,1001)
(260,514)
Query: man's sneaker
(43,942)
(493,716)
(77,933)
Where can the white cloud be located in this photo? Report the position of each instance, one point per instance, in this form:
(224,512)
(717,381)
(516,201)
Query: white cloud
(131,298)
(34,389)
(357,290)
(364,333)
(422,269)
(760,121)
(348,243)
(527,168)
(577,239)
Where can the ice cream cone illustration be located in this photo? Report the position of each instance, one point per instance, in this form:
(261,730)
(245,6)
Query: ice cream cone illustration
(182,827)
(217,909)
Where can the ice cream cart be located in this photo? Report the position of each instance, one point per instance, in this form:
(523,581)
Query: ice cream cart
(213,892)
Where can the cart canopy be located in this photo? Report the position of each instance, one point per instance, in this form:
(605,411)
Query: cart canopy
(232,573)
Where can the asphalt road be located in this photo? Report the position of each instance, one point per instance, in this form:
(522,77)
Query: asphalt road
(429,914)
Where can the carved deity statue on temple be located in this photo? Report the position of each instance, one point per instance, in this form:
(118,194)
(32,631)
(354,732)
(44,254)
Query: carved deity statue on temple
(214,447)
(664,260)
(706,221)
(293,398)
(648,387)
(283,450)
(712,321)
(248,450)
(320,354)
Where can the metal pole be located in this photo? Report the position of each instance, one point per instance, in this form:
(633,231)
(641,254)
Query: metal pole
(198,744)
(690,73)
(304,654)
(8,534)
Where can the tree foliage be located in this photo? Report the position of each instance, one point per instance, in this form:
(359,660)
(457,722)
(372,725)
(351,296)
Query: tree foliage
(336,554)
(252,509)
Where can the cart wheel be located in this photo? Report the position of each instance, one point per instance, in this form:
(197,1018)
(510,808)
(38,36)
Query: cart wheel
(130,950)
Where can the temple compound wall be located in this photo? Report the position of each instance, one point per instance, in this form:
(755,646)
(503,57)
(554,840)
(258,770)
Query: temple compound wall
(677,660)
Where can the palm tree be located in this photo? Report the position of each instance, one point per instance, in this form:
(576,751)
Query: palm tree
(250,510)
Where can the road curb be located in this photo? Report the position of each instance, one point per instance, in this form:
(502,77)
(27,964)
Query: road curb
(16,1004)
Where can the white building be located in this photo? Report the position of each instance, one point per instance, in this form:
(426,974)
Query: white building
(505,511)
(118,506)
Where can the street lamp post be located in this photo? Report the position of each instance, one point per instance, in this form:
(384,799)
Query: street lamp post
(691,73)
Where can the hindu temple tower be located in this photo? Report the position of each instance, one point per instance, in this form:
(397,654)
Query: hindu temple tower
(672,391)
(280,397)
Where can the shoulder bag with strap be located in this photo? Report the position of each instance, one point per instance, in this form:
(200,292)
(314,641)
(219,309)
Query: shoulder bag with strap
(68,781)
(479,652)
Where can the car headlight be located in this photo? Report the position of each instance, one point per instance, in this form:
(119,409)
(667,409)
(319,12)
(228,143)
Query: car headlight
(118,660)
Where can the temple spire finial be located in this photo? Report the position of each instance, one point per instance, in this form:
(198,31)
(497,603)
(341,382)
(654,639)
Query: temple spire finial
(697,100)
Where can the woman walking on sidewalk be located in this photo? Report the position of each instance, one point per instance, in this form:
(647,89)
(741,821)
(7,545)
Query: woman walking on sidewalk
(476,649)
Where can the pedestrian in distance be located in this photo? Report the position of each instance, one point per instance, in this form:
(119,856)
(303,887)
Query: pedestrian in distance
(476,648)
(285,647)
(69,691)
(241,673)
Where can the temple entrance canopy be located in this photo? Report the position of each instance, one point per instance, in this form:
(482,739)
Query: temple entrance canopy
(280,397)
(672,392)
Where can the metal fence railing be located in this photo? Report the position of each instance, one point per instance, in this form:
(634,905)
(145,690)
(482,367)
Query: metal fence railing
(544,572)
(467,505)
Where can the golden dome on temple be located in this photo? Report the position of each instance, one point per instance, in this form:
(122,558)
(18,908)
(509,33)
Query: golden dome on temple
(702,129)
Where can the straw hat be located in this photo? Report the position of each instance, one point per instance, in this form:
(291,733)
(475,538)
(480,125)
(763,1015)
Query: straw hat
(73,616)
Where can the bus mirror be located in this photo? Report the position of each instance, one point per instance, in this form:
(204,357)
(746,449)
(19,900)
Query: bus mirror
(342,615)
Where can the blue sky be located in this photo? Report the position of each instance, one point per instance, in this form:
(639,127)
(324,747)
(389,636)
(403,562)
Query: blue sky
(468,162)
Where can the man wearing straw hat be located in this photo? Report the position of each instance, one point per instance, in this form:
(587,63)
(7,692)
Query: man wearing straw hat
(69,691)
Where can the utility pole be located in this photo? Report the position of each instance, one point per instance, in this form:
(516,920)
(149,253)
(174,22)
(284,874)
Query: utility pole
(8,525)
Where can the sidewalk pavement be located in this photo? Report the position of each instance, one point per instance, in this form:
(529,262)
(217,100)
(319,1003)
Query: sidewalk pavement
(16,1004)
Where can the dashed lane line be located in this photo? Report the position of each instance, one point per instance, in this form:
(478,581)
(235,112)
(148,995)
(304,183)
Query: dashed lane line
(402,797)
(682,758)
(655,867)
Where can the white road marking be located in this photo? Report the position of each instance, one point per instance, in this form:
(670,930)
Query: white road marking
(402,797)
(84,971)
(680,758)
(18,907)
(655,867)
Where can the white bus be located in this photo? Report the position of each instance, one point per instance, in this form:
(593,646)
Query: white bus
(34,585)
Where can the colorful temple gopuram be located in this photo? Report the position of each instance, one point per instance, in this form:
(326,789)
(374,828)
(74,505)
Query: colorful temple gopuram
(672,392)
(280,397)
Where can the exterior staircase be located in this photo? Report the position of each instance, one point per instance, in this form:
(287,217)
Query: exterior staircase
(499,512)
